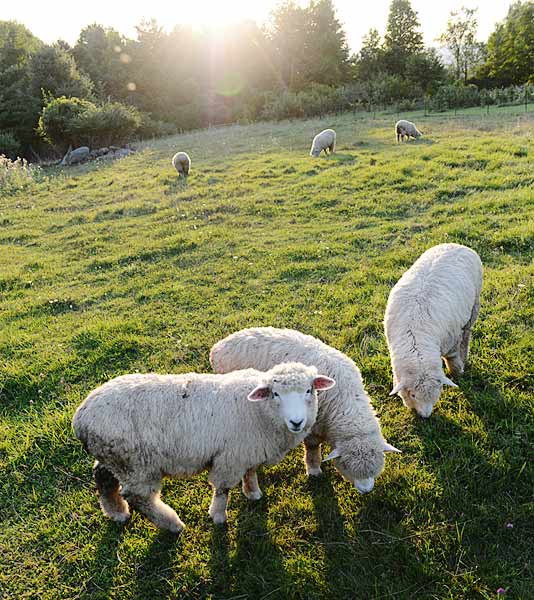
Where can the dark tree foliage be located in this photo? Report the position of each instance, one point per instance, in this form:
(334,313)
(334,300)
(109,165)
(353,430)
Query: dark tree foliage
(510,48)
(403,36)
(17,43)
(102,54)
(370,60)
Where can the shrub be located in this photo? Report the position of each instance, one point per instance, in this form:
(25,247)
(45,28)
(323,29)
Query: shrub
(57,122)
(9,145)
(112,123)
(76,122)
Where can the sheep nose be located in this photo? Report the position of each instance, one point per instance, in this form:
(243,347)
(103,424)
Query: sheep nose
(296,424)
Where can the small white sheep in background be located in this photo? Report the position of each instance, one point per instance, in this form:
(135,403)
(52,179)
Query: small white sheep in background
(142,427)
(346,419)
(326,140)
(406,128)
(429,315)
(182,163)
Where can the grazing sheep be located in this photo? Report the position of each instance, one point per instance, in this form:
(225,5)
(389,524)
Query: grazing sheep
(142,427)
(429,314)
(326,140)
(406,128)
(346,419)
(182,163)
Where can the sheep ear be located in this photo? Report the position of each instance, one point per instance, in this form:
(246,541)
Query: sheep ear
(400,386)
(390,448)
(262,392)
(334,454)
(446,381)
(322,382)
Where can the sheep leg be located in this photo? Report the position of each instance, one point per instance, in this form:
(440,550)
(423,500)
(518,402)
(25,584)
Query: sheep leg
(111,502)
(312,456)
(251,488)
(466,335)
(219,501)
(145,497)
(454,361)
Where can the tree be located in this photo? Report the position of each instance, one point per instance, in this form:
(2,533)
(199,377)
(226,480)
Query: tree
(288,33)
(52,71)
(370,60)
(510,48)
(426,69)
(102,53)
(17,43)
(460,40)
(327,50)
(403,38)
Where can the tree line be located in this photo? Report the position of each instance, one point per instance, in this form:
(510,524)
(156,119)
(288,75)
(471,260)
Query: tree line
(297,64)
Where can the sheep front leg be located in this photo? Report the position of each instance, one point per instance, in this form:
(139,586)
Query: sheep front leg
(219,501)
(145,497)
(251,488)
(454,361)
(312,456)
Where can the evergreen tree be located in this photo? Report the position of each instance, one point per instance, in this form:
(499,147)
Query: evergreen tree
(370,60)
(403,38)
(327,50)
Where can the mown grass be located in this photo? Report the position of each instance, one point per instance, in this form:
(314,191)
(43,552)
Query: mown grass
(115,268)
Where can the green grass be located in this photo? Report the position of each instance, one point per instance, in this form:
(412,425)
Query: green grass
(120,267)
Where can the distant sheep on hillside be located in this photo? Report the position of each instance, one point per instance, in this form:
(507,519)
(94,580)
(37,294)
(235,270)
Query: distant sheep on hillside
(406,128)
(182,163)
(326,140)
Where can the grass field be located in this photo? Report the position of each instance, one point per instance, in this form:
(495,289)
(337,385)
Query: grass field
(115,268)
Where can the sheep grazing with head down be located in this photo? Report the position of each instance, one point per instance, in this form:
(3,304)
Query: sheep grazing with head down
(429,315)
(142,427)
(182,163)
(406,128)
(326,140)
(346,419)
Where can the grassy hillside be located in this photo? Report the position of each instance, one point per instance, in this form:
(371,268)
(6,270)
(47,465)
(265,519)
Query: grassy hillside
(108,269)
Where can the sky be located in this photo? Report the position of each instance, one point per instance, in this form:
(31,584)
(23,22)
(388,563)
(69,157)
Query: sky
(64,19)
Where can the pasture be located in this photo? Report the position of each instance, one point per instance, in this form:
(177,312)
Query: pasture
(119,267)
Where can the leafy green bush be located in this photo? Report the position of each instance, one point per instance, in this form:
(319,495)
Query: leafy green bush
(111,123)
(9,145)
(57,122)
(76,122)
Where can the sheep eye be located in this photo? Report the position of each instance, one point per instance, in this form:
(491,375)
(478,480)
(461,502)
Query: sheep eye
(276,394)
(308,391)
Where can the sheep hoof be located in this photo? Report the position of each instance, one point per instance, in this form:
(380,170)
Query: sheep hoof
(313,471)
(119,517)
(176,528)
(255,495)
(219,518)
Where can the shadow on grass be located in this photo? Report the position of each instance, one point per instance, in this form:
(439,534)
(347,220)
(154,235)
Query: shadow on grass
(105,560)
(175,184)
(154,573)
(257,567)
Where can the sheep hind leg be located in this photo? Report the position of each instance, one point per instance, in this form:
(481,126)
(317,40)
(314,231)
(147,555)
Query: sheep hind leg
(144,496)
(111,502)
(463,348)
(312,457)
(251,488)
